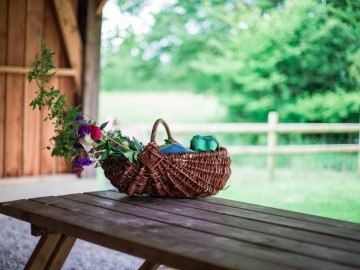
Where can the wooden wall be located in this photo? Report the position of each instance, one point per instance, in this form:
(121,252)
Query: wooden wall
(22,132)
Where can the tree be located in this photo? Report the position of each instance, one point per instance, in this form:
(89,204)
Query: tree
(259,56)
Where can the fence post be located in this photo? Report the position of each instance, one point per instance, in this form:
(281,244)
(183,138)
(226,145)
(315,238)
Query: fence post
(273,119)
(359,154)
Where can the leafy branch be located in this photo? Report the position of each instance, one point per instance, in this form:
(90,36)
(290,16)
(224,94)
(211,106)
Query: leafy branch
(59,112)
(74,137)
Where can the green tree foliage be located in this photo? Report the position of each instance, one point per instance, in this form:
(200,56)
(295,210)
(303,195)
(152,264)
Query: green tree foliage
(300,58)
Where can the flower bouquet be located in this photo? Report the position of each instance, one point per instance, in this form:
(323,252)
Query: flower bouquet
(131,167)
(78,137)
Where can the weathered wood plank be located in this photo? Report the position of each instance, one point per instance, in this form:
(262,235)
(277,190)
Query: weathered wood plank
(284,213)
(3,38)
(15,89)
(42,252)
(261,239)
(53,42)
(239,222)
(32,118)
(24,70)
(272,219)
(175,252)
(61,252)
(212,240)
(71,36)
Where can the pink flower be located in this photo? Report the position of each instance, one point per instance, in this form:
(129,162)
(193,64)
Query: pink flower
(95,132)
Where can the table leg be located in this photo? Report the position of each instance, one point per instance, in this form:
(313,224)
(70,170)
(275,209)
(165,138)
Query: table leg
(149,265)
(50,252)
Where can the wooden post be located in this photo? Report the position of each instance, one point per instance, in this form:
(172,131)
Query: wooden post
(92,60)
(273,119)
(92,66)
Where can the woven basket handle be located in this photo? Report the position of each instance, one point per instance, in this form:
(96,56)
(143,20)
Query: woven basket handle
(153,133)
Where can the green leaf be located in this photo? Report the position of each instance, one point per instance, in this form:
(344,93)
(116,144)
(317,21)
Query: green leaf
(107,145)
(119,154)
(168,141)
(115,149)
(103,125)
(130,156)
(105,155)
(138,145)
(101,147)
(136,155)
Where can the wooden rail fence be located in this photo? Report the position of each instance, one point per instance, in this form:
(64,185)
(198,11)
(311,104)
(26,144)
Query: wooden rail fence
(273,128)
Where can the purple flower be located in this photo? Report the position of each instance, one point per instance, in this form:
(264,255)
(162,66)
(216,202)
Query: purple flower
(79,118)
(82,161)
(83,130)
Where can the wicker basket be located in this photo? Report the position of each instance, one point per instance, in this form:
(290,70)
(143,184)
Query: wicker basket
(169,175)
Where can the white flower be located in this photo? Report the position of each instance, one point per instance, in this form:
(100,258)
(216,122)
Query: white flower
(87,142)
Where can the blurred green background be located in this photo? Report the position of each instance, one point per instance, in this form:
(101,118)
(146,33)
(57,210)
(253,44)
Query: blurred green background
(235,61)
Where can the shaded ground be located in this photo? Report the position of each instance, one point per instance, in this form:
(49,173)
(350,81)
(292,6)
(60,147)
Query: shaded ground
(17,244)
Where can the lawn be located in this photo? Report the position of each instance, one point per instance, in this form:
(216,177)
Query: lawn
(325,185)
(322,192)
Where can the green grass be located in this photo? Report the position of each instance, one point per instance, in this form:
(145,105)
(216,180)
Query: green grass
(322,192)
(324,184)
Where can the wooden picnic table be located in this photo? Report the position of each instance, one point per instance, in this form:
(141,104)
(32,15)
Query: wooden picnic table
(204,233)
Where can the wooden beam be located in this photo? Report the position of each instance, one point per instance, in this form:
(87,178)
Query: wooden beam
(50,252)
(43,251)
(100,7)
(294,149)
(71,37)
(3,38)
(24,70)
